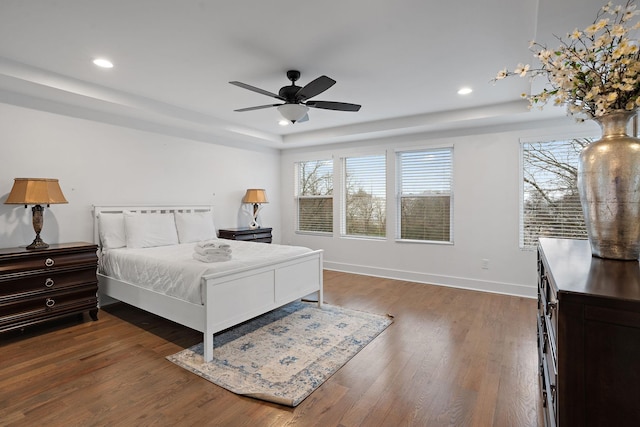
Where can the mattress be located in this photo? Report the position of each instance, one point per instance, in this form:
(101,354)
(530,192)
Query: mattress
(171,270)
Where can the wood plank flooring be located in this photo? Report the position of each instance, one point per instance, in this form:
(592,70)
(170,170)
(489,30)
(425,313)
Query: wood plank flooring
(451,358)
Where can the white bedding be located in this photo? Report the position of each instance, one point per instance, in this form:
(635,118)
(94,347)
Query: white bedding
(173,271)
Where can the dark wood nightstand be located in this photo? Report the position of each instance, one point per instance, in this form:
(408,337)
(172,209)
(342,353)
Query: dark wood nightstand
(260,234)
(41,285)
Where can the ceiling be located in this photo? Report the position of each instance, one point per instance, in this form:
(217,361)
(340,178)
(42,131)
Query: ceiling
(403,61)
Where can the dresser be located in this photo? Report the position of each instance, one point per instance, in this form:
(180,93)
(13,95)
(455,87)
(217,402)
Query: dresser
(588,336)
(41,285)
(245,233)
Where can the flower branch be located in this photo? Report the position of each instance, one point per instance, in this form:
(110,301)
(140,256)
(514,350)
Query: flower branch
(593,71)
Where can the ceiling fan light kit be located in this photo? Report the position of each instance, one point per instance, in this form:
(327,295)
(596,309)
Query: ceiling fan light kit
(293,112)
(295,105)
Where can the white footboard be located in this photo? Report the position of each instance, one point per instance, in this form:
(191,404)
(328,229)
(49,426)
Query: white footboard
(234,298)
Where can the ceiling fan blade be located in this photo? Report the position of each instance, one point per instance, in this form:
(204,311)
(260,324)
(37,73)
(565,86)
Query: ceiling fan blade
(259,107)
(330,105)
(314,88)
(257,89)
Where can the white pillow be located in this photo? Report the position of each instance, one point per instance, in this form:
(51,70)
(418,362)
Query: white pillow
(150,229)
(111,230)
(195,226)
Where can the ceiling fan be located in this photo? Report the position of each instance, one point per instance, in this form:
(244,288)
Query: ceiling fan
(296,99)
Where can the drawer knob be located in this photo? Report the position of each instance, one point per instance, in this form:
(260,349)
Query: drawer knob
(552,307)
(49,262)
(50,302)
(49,282)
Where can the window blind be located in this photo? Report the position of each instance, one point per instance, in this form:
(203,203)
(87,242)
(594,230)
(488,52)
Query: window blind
(425,195)
(314,196)
(550,201)
(364,206)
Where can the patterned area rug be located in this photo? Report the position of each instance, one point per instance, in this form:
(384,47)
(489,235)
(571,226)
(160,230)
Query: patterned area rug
(284,355)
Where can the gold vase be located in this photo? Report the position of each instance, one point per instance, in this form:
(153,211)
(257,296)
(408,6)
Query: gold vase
(609,187)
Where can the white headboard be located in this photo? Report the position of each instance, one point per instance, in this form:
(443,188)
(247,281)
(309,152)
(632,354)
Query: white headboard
(142,209)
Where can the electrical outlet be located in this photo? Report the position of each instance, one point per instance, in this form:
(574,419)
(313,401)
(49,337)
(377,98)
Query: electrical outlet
(485,264)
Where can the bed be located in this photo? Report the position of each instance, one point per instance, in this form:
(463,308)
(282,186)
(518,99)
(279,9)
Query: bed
(228,293)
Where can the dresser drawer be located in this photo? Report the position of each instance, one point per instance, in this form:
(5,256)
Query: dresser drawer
(253,236)
(548,305)
(27,310)
(49,281)
(549,391)
(45,261)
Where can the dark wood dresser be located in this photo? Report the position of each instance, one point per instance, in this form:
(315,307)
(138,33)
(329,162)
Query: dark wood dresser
(41,285)
(247,234)
(588,336)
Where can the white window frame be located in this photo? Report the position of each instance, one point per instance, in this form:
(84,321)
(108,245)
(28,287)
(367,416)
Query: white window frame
(299,197)
(400,195)
(523,245)
(343,195)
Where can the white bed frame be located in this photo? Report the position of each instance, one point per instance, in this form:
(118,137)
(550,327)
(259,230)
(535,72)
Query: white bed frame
(230,297)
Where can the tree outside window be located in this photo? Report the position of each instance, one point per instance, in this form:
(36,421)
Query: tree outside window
(314,196)
(425,194)
(550,200)
(365,207)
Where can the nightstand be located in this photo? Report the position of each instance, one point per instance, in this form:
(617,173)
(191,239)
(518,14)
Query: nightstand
(247,234)
(41,285)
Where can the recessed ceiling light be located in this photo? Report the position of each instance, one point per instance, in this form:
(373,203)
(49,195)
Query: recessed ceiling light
(284,122)
(103,63)
(465,91)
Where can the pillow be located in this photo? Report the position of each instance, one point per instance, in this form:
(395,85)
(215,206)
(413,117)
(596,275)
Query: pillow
(150,229)
(111,230)
(195,226)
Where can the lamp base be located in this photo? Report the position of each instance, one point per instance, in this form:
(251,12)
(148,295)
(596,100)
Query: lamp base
(254,221)
(38,220)
(38,243)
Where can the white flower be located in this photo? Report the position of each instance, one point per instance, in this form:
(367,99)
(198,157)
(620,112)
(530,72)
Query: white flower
(594,28)
(521,70)
(618,30)
(576,34)
(544,55)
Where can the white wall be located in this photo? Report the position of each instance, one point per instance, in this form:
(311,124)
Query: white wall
(102,164)
(486,211)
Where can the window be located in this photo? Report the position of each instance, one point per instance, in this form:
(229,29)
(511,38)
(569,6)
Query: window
(550,200)
(424,195)
(364,208)
(314,194)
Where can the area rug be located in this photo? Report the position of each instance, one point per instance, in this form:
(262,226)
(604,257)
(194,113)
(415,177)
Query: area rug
(284,355)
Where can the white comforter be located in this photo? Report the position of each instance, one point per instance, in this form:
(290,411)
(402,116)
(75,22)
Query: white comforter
(173,271)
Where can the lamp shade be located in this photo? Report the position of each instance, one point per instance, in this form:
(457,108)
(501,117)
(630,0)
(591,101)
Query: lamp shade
(35,191)
(255,195)
(293,112)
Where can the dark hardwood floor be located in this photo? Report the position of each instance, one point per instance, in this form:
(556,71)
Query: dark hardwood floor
(451,358)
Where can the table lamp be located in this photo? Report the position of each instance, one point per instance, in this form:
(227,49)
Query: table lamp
(37,192)
(255,196)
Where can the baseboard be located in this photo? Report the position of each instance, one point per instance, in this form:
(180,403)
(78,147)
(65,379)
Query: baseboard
(104,300)
(434,279)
